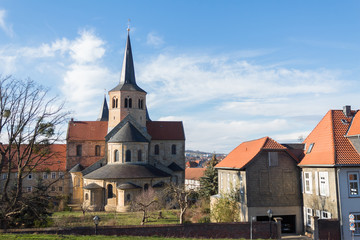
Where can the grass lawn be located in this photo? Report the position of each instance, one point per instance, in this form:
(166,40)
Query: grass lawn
(71,237)
(76,219)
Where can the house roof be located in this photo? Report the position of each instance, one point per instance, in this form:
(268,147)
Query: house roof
(161,130)
(128,133)
(49,158)
(87,130)
(354,128)
(194,173)
(124,171)
(246,151)
(330,145)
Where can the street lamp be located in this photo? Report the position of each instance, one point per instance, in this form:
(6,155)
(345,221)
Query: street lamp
(96,221)
(270,214)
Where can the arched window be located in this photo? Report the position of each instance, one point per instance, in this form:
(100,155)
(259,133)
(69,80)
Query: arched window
(139,156)
(157,149)
(130,103)
(128,197)
(128,156)
(146,187)
(86,196)
(110,191)
(116,156)
(78,150)
(125,103)
(97,150)
(114,102)
(142,104)
(173,149)
(139,103)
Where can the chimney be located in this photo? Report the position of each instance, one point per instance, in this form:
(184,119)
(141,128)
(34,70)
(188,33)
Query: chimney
(347,111)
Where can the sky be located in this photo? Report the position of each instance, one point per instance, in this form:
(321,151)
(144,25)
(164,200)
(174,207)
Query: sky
(232,71)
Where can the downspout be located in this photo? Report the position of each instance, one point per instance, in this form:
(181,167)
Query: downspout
(339,202)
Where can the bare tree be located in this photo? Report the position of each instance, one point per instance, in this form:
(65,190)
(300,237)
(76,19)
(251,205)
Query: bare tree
(29,125)
(146,202)
(181,197)
(84,206)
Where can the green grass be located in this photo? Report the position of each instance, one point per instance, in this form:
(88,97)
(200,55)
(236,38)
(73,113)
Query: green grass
(76,219)
(71,237)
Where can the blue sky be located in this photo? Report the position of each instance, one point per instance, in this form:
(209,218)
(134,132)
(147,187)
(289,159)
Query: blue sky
(232,71)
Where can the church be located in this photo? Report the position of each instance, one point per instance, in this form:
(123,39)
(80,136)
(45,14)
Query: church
(122,153)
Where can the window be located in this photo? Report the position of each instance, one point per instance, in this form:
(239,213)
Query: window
(53,188)
(324,183)
(29,176)
(78,150)
(139,156)
(128,197)
(60,189)
(53,175)
(128,156)
(97,150)
(221,181)
(110,191)
(61,175)
(325,215)
(29,189)
(116,156)
(130,103)
(273,159)
(353,180)
(141,104)
(156,150)
(125,103)
(307,182)
(173,149)
(114,102)
(228,183)
(45,176)
(310,148)
(86,196)
(357,223)
(309,214)
(234,182)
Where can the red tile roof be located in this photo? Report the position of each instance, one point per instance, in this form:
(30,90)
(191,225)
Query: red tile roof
(330,145)
(191,164)
(54,161)
(246,152)
(87,130)
(194,173)
(160,130)
(354,128)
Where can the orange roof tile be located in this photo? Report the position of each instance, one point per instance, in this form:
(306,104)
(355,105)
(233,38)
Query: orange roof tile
(330,147)
(160,130)
(246,151)
(87,130)
(354,128)
(194,173)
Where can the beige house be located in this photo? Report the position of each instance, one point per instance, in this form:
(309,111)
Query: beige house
(192,178)
(264,176)
(114,159)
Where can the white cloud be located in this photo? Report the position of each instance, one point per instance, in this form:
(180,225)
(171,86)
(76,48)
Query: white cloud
(87,48)
(154,40)
(7,28)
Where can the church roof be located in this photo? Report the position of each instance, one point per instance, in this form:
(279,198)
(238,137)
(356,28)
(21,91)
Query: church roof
(104,112)
(128,185)
(76,168)
(128,133)
(127,78)
(126,171)
(174,167)
(160,130)
(87,130)
(92,186)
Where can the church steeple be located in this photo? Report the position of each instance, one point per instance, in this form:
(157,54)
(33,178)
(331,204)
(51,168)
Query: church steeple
(104,112)
(127,77)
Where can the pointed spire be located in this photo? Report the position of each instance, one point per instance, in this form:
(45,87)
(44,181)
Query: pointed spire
(127,78)
(104,112)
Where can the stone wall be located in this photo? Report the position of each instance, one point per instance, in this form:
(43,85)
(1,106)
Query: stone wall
(198,230)
(87,157)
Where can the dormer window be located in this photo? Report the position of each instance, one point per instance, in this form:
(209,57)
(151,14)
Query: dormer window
(310,148)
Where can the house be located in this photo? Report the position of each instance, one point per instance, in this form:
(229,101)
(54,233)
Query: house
(124,152)
(49,169)
(330,170)
(192,178)
(264,176)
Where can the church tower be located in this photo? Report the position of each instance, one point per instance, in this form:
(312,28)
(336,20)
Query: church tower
(127,98)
